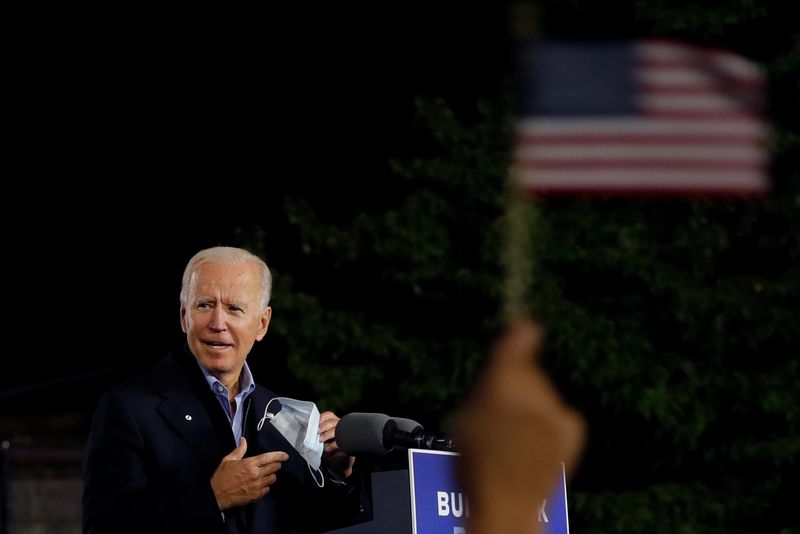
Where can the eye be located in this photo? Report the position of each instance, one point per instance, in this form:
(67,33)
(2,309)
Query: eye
(203,305)
(235,309)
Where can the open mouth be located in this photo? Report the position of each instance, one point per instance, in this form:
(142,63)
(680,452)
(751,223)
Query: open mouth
(216,345)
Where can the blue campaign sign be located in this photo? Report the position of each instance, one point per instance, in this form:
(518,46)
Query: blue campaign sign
(553,511)
(438,506)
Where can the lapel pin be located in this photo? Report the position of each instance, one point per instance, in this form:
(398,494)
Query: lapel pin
(188,417)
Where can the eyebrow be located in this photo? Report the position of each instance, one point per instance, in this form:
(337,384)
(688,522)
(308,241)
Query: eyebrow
(236,303)
(214,300)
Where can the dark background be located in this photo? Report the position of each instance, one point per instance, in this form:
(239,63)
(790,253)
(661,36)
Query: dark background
(139,135)
(143,135)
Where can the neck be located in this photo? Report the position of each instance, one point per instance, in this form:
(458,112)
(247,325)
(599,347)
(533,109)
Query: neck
(230,380)
(233,389)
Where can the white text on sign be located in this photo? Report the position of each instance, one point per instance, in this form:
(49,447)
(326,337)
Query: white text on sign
(452,503)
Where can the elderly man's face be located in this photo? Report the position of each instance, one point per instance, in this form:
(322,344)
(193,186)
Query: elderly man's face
(222,317)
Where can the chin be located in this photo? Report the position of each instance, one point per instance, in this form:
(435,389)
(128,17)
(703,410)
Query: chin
(216,363)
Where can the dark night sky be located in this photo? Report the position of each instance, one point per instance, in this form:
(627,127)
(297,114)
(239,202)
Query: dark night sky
(138,136)
(146,136)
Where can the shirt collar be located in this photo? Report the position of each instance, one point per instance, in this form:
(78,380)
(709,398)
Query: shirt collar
(246,383)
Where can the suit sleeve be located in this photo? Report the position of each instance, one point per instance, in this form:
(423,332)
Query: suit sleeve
(339,503)
(120,492)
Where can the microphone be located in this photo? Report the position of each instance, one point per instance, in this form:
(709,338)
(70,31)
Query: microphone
(407,425)
(394,435)
(377,434)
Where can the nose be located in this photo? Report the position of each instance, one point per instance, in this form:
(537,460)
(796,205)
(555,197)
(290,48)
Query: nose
(217,320)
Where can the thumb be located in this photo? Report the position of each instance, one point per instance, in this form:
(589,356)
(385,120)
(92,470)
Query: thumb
(518,347)
(238,452)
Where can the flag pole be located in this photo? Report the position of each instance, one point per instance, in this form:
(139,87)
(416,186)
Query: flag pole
(521,215)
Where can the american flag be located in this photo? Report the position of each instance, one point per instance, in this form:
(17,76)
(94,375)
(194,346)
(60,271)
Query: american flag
(648,117)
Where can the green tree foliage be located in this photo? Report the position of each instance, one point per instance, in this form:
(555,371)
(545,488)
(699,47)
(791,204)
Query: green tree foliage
(672,324)
(400,304)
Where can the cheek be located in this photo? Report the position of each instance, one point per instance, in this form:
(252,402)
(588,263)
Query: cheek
(189,324)
(244,331)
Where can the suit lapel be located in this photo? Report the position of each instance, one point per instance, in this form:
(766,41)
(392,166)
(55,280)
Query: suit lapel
(186,408)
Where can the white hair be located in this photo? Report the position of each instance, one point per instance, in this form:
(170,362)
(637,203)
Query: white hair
(232,256)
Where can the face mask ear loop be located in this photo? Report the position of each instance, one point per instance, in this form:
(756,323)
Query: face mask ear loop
(267,415)
(321,476)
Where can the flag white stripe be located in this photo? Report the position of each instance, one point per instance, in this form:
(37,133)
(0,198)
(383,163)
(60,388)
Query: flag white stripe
(575,151)
(602,126)
(660,51)
(674,77)
(709,102)
(730,63)
(662,79)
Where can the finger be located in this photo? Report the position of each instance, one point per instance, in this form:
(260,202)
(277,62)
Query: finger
(238,452)
(264,484)
(328,426)
(573,435)
(261,489)
(518,346)
(327,414)
(328,418)
(328,435)
(269,469)
(270,457)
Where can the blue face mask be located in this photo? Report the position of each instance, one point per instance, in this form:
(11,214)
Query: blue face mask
(298,422)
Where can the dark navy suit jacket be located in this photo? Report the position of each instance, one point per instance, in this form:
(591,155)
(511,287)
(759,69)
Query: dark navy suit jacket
(156,441)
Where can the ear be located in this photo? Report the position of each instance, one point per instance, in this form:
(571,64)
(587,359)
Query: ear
(263,323)
(183,319)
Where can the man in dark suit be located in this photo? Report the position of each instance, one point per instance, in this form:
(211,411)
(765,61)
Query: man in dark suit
(181,450)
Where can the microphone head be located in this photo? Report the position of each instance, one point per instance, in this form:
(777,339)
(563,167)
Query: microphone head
(407,425)
(362,433)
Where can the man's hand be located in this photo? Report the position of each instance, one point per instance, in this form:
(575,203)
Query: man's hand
(240,480)
(335,458)
(514,432)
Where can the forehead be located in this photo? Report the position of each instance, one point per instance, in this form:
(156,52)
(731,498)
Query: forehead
(241,281)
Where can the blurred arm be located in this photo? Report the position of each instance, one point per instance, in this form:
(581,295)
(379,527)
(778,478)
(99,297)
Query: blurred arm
(514,431)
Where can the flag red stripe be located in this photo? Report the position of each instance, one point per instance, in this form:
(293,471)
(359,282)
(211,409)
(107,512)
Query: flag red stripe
(647,191)
(699,114)
(644,165)
(730,78)
(543,138)
(690,89)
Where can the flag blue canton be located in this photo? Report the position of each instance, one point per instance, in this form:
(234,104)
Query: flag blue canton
(579,79)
